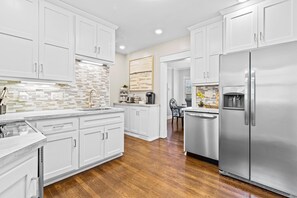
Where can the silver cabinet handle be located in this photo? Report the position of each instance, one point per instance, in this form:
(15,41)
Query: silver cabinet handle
(74,143)
(253,98)
(207,75)
(58,126)
(246,96)
(95,49)
(106,135)
(103,136)
(204,75)
(36,179)
(41,68)
(255,37)
(202,116)
(99,50)
(35,67)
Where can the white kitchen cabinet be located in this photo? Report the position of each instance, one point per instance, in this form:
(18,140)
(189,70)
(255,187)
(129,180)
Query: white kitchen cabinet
(56,43)
(86,37)
(61,150)
(20,180)
(277,22)
(142,121)
(91,145)
(241,30)
(60,154)
(114,140)
(206,46)
(268,23)
(19,38)
(94,40)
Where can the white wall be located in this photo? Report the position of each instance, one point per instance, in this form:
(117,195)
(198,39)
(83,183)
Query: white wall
(169,88)
(119,76)
(164,49)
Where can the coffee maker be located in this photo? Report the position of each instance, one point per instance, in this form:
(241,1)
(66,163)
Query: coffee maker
(150,98)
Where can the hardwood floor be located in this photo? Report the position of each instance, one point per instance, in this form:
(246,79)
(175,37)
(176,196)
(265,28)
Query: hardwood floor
(154,169)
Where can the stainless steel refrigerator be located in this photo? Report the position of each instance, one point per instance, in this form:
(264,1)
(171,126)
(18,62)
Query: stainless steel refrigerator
(258,117)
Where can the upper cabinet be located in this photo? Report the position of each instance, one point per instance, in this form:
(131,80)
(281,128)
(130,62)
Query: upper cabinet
(206,46)
(37,40)
(277,22)
(56,43)
(19,38)
(94,40)
(241,30)
(268,23)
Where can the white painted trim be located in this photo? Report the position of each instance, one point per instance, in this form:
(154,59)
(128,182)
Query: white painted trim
(239,6)
(205,23)
(163,87)
(82,13)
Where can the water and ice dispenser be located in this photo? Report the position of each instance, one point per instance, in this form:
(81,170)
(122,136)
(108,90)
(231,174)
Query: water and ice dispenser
(233,98)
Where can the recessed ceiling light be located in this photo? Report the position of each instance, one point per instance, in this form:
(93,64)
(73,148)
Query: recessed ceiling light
(158,31)
(241,1)
(122,47)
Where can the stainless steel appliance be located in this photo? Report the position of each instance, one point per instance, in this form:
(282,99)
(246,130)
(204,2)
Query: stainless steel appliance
(202,134)
(13,129)
(258,117)
(150,98)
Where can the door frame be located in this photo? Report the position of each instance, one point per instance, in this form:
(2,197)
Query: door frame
(164,60)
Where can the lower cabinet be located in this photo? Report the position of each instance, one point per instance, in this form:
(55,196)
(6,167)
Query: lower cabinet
(100,142)
(141,121)
(60,154)
(74,143)
(20,179)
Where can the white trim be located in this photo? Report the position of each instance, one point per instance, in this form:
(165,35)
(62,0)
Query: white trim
(164,60)
(205,23)
(239,6)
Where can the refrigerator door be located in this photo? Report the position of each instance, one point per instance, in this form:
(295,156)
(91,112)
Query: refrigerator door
(274,117)
(234,124)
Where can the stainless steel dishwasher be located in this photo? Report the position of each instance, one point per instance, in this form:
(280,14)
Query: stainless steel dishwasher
(202,134)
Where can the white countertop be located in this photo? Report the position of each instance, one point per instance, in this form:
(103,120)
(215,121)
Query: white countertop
(135,104)
(201,110)
(39,115)
(14,147)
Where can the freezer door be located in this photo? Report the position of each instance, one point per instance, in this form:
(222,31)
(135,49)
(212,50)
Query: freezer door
(274,118)
(234,124)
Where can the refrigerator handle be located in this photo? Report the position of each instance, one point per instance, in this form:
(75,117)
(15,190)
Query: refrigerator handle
(246,100)
(253,98)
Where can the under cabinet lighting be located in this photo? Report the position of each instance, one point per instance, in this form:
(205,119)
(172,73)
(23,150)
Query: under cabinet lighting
(90,62)
(158,31)
(241,1)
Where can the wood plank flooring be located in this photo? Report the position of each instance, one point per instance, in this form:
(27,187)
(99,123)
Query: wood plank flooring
(154,169)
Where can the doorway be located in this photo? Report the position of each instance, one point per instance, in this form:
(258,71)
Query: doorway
(166,63)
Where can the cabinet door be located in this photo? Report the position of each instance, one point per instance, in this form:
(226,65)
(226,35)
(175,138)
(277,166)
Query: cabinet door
(114,140)
(241,30)
(19,38)
(56,49)
(143,115)
(106,43)
(277,22)
(134,120)
(213,72)
(126,116)
(198,63)
(215,38)
(60,154)
(91,145)
(20,181)
(86,37)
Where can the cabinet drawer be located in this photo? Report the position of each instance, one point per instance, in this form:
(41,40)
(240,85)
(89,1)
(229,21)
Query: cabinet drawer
(99,120)
(54,126)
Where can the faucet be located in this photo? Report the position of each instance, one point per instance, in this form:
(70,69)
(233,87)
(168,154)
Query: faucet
(91,104)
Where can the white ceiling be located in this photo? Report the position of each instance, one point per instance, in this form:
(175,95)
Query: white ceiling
(138,19)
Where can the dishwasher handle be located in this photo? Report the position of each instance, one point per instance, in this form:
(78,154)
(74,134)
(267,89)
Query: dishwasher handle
(202,116)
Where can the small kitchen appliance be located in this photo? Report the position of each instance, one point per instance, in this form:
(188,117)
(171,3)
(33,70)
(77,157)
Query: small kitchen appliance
(150,98)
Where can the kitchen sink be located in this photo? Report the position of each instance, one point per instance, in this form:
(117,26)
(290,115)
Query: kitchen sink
(95,109)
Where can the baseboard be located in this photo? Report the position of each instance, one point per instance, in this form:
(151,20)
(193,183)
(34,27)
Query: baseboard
(149,139)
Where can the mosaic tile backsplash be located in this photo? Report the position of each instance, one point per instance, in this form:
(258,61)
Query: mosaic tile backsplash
(35,96)
(211,94)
